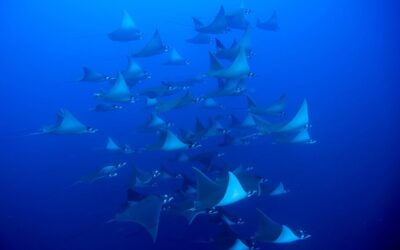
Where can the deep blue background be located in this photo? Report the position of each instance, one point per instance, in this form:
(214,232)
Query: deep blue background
(340,55)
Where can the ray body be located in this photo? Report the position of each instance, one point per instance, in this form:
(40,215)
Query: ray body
(145,213)
(153,47)
(127,31)
(67,124)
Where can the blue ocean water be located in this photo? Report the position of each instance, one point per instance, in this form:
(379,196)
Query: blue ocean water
(341,56)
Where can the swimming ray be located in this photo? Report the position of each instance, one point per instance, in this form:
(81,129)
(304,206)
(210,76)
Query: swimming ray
(90,75)
(127,31)
(299,121)
(270,231)
(209,193)
(108,171)
(142,178)
(145,213)
(237,70)
(155,123)
(119,92)
(186,209)
(153,47)
(271,24)
(217,26)
(212,194)
(251,183)
(112,146)
(300,137)
(273,189)
(176,59)
(276,108)
(168,141)
(134,73)
(67,124)
(234,191)
(105,107)
(200,38)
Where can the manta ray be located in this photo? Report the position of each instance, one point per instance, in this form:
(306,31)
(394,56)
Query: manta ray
(67,124)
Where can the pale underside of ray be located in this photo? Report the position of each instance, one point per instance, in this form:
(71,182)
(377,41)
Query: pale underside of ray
(279,190)
(171,142)
(133,68)
(66,123)
(176,58)
(302,137)
(286,236)
(111,145)
(238,69)
(127,31)
(248,121)
(145,213)
(119,92)
(239,245)
(128,23)
(299,121)
(153,47)
(270,231)
(155,121)
(234,191)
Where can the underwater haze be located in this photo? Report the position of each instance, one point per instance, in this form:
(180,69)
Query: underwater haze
(199,124)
